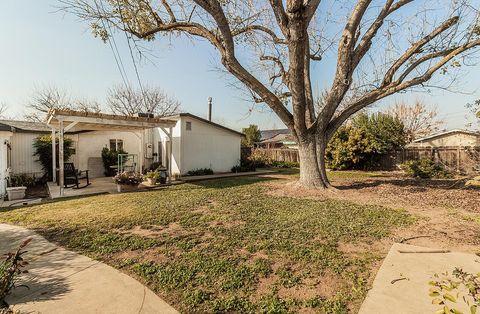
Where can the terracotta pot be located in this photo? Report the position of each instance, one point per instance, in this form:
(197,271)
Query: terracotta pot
(152,181)
(126,188)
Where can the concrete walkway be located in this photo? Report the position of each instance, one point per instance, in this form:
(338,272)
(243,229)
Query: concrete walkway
(411,294)
(61,281)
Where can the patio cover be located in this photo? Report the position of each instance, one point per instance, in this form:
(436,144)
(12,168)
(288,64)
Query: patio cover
(62,121)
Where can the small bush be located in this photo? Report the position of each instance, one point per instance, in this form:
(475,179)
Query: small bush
(21,179)
(200,172)
(425,168)
(110,158)
(128,178)
(245,166)
(9,271)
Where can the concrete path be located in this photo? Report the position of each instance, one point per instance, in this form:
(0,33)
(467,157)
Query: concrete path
(411,295)
(61,281)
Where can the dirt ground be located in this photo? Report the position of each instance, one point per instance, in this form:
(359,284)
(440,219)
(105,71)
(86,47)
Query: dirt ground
(447,212)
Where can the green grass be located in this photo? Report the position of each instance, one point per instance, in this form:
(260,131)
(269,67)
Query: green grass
(224,246)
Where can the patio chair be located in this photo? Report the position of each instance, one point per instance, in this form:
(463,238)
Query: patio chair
(72,176)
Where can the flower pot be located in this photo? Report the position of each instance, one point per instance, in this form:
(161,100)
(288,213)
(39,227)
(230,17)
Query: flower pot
(126,188)
(152,181)
(16,193)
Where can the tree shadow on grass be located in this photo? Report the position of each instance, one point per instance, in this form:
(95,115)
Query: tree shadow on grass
(420,184)
(223,183)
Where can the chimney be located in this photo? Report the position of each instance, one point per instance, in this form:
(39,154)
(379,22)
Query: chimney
(209,108)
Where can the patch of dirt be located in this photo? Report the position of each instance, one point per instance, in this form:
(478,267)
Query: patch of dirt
(153,232)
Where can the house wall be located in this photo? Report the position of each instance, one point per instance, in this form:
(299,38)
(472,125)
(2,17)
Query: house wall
(23,160)
(207,146)
(5,137)
(90,144)
(458,139)
(160,144)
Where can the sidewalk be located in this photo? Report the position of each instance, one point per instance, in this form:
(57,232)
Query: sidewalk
(401,285)
(61,281)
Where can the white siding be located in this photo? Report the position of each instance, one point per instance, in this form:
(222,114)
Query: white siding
(208,146)
(23,160)
(159,137)
(4,138)
(90,144)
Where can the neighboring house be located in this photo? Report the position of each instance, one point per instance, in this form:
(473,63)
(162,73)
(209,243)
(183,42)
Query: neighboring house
(197,143)
(280,138)
(453,138)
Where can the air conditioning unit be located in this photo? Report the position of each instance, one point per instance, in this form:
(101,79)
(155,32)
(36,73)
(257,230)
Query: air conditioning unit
(149,150)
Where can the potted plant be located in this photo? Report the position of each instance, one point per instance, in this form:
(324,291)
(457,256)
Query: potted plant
(127,181)
(152,177)
(17,186)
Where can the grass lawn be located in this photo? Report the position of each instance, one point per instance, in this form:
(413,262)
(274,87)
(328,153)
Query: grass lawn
(226,245)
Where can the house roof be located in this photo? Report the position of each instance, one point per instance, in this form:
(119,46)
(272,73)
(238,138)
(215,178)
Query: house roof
(189,115)
(24,126)
(267,134)
(446,133)
(280,138)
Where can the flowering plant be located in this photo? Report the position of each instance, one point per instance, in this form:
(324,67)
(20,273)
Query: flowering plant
(128,178)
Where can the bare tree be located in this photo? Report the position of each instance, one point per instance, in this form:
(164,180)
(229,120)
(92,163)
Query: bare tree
(129,101)
(3,109)
(419,120)
(50,97)
(379,51)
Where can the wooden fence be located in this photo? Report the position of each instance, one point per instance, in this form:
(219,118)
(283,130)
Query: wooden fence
(459,159)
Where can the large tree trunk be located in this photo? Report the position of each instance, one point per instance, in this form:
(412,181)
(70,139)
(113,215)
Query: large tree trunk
(310,169)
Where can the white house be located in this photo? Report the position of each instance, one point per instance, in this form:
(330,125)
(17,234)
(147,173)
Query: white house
(197,143)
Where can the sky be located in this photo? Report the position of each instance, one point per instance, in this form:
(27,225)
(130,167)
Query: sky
(40,46)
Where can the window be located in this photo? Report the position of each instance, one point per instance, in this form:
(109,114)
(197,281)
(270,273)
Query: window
(188,125)
(116,144)
(160,155)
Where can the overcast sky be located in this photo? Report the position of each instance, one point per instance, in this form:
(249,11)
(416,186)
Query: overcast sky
(42,47)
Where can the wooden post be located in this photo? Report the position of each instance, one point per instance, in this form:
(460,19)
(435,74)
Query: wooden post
(458,159)
(60,158)
(170,144)
(142,150)
(54,156)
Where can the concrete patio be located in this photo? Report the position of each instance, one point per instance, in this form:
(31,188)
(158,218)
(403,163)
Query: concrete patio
(103,185)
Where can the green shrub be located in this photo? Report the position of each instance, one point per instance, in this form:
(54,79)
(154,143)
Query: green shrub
(360,144)
(21,179)
(110,158)
(43,150)
(425,168)
(245,166)
(200,172)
